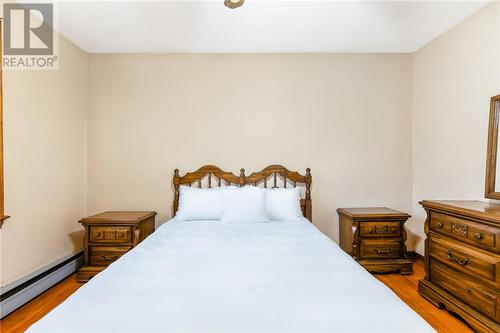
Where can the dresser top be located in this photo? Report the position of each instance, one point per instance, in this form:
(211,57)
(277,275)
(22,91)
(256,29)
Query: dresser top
(478,209)
(119,217)
(372,212)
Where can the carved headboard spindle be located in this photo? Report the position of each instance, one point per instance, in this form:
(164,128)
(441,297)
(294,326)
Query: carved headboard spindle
(176,189)
(308,194)
(242,177)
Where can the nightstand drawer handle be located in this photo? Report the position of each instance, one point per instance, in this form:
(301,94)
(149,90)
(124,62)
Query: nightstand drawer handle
(478,236)
(108,258)
(384,251)
(379,230)
(468,290)
(456,260)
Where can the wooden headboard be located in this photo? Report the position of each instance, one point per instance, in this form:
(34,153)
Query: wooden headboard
(271,176)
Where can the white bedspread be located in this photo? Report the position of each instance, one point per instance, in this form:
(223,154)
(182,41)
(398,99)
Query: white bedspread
(211,277)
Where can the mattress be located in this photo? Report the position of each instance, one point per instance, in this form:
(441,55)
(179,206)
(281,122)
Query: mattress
(205,276)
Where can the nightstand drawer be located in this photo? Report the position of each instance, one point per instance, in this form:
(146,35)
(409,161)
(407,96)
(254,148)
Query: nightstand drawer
(110,234)
(380,229)
(467,259)
(380,248)
(465,230)
(105,255)
(462,286)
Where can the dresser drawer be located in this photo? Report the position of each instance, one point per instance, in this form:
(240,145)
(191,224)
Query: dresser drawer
(380,248)
(478,296)
(380,229)
(110,234)
(465,230)
(465,258)
(105,255)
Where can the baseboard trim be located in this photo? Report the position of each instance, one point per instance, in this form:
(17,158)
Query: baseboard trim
(26,291)
(414,255)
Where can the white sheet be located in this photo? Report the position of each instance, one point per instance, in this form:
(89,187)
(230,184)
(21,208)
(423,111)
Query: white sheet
(204,276)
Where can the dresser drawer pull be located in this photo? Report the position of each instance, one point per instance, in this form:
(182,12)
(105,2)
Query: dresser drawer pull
(468,290)
(478,236)
(108,258)
(384,251)
(457,260)
(439,224)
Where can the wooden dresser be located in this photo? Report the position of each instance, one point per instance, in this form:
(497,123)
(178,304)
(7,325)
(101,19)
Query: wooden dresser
(376,238)
(109,235)
(462,260)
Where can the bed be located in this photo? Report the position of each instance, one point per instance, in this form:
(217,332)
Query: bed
(207,276)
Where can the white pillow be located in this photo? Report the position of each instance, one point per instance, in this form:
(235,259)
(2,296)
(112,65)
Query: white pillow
(244,205)
(283,204)
(199,204)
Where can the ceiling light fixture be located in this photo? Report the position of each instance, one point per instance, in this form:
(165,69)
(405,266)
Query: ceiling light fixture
(233,3)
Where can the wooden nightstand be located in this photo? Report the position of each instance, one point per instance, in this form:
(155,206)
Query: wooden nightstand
(109,235)
(375,238)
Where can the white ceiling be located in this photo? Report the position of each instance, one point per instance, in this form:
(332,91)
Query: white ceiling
(258,26)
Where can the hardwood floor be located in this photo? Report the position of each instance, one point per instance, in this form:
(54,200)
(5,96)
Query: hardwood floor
(31,312)
(405,286)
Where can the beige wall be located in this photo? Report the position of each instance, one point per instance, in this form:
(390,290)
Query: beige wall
(454,76)
(346,116)
(45,163)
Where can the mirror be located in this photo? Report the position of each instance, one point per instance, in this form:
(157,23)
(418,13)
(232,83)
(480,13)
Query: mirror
(492,188)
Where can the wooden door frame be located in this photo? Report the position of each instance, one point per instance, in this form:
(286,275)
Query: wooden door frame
(3,217)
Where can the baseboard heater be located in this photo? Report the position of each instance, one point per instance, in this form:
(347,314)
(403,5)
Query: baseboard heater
(42,280)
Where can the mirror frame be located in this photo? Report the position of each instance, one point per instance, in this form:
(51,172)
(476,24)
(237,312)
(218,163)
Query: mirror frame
(491,154)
